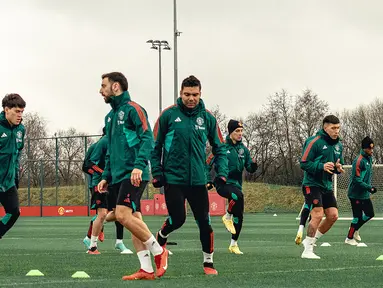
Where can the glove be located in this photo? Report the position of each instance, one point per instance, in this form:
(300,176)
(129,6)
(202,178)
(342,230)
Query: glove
(373,190)
(158,181)
(219,181)
(17,184)
(254,166)
(210,185)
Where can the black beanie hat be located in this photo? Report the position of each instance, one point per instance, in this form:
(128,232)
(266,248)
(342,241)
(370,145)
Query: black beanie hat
(367,143)
(233,124)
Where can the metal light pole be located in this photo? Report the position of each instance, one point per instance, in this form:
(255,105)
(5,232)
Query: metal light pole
(176,34)
(159,45)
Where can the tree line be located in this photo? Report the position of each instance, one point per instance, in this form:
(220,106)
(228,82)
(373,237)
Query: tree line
(275,136)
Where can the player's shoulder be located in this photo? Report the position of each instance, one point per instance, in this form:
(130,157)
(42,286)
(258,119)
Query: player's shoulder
(169,111)
(209,115)
(315,139)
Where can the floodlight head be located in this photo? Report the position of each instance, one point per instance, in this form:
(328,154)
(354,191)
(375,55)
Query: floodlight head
(149,41)
(156,42)
(154,47)
(167,48)
(164,42)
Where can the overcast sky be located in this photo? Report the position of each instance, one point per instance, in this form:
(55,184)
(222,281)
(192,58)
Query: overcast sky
(53,52)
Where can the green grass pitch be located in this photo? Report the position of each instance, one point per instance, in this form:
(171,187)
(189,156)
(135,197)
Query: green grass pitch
(271,258)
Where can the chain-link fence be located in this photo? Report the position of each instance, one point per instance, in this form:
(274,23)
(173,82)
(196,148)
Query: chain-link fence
(51,171)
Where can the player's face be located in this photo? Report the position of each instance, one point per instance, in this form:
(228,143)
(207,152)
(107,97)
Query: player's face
(369,151)
(106,89)
(190,96)
(236,135)
(14,115)
(332,130)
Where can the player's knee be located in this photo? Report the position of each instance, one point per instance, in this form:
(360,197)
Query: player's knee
(101,213)
(177,223)
(333,217)
(123,216)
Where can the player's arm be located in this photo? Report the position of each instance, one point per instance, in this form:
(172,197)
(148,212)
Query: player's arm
(250,164)
(310,161)
(17,162)
(144,134)
(360,170)
(98,152)
(208,167)
(106,174)
(218,148)
(160,130)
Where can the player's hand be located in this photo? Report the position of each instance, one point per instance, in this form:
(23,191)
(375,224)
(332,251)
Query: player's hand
(328,167)
(209,185)
(254,165)
(102,186)
(339,166)
(158,181)
(136,177)
(373,190)
(219,181)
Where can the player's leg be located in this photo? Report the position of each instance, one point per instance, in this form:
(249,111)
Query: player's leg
(10,202)
(100,202)
(146,271)
(305,213)
(367,215)
(111,217)
(227,191)
(126,206)
(175,203)
(238,221)
(357,213)
(86,240)
(198,199)
(314,199)
(331,211)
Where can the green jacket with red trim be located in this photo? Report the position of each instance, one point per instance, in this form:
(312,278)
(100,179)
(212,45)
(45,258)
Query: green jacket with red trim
(130,140)
(11,144)
(317,151)
(360,181)
(238,159)
(179,153)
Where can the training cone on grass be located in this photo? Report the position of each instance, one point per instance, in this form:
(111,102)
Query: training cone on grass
(80,274)
(361,244)
(380,258)
(275,215)
(34,273)
(325,244)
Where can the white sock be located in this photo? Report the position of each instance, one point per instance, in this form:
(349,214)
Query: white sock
(93,241)
(207,257)
(233,242)
(118,241)
(153,246)
(309,240)
(318,234)
(301,227)
(228,216)
(145,261)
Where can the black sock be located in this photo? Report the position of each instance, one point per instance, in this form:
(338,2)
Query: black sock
(304,216)
(119,230)
(90,229)
(238,227)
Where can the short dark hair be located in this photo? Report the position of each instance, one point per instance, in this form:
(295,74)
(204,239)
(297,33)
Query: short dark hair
(117,77)
(191,81)
(13,100)
(331,119)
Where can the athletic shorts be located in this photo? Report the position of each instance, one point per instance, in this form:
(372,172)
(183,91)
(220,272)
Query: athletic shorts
(98,200)
(318,197)
(125,194)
